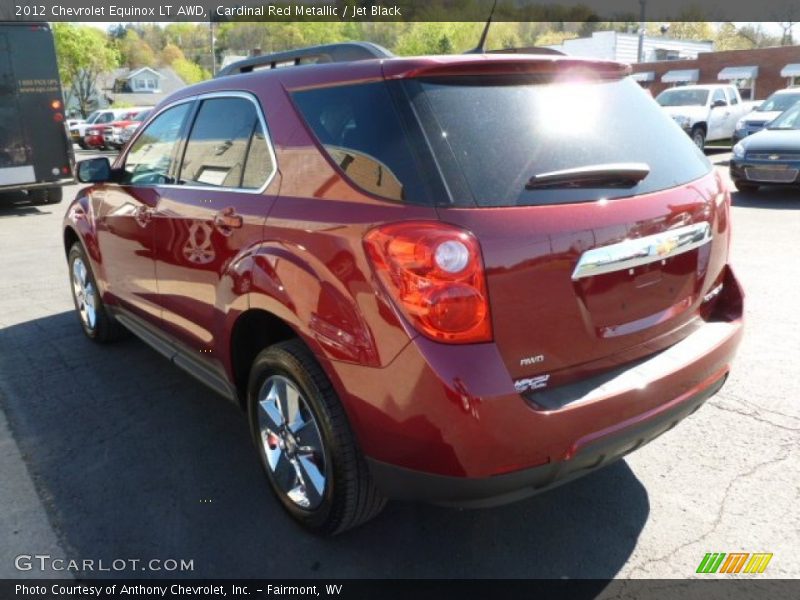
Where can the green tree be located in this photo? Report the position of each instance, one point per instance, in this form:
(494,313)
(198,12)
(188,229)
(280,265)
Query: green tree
(685,30)
(170,53)
(190,72)
(135,52)
(550,38)
(83,54)
(728,38)
(425,37)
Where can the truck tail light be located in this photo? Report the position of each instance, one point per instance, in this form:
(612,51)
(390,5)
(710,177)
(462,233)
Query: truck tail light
(56,105)
(434,273)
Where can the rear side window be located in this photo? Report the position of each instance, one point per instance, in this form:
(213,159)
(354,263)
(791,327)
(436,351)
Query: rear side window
(363,134)
(491,136)
(227,146)
(718,95)
(150,158)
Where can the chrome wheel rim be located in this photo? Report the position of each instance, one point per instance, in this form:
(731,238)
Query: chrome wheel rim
(85,293)
(292,443)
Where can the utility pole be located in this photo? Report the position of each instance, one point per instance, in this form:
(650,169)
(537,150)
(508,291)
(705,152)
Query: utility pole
(640,54)
(213,49)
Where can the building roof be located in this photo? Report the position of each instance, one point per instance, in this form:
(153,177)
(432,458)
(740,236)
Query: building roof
(133,74)
(169,82)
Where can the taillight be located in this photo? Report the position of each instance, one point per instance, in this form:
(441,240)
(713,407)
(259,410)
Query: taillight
(56,105)
(434,273)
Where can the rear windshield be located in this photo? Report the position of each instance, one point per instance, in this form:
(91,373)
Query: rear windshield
(477,141)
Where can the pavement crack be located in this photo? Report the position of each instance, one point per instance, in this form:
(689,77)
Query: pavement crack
(756,416)
(721,508)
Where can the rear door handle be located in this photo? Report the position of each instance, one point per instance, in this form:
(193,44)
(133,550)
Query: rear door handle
(227,220)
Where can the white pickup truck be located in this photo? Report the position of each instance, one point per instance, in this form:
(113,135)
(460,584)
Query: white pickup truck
(705,112)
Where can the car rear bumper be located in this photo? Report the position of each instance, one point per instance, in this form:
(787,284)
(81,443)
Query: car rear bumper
(444,423)
(406,484)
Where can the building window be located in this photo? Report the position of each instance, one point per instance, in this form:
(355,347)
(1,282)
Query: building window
(747,88)
(664,54)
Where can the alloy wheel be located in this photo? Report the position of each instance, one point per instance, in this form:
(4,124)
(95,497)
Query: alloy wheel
(85,294)
(292,443)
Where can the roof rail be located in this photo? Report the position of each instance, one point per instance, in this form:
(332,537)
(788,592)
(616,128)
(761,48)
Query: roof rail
(527,50)
(328,53)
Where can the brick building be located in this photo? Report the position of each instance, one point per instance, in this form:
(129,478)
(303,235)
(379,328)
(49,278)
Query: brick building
(757,73)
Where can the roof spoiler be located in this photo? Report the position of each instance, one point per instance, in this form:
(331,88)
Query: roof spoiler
(328,53)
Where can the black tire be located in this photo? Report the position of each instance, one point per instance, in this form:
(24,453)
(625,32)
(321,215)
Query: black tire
(698,136)
(83,145)
(349,497)
(44,196)
(745,187)
(105,328)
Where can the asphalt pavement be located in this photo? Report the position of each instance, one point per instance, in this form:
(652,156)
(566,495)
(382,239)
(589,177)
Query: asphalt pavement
(111,452)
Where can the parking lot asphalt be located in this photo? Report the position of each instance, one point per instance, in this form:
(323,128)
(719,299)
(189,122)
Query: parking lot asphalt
(114,453)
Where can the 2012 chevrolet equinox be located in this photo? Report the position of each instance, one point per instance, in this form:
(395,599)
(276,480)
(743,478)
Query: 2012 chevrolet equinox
(460,279)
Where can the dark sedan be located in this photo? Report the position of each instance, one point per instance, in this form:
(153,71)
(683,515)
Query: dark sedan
(769,157)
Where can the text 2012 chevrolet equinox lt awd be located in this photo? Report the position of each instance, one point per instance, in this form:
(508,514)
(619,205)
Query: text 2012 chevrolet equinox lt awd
(460,279)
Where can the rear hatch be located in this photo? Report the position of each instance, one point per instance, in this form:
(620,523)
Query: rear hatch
(584,273)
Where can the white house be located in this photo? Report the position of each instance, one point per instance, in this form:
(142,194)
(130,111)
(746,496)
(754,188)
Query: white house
(624,47)
(144,80)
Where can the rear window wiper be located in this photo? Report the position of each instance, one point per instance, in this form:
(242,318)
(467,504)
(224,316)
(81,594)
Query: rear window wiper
(611,175)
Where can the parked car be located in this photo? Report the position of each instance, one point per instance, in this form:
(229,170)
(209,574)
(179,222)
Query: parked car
(99,117)
(117,134)
(705,112)
(93,139)
(771,108)
(106,136)
(769,157)
(457,279)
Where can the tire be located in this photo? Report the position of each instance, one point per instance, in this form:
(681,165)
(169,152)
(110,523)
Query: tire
(318,444)
(83,145)
(745,187)
(97,323)
(41,197)
(698,136)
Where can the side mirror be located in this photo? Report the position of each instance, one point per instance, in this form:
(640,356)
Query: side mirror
(718,103)
(94,170)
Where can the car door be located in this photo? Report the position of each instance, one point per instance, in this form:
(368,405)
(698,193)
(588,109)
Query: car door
(209,219)
(718,116)
(736,109)
(125,231)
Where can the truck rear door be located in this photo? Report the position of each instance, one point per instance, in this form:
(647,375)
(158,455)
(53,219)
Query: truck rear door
(33,142)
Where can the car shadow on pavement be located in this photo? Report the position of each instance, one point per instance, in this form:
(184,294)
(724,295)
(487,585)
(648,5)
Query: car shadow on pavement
(134,459)
(22,208)
(766,197)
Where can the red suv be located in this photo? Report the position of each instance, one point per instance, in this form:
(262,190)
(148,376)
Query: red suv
(459,279)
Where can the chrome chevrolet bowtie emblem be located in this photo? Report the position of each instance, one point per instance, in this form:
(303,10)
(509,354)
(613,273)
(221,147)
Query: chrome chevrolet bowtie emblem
(774,156)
